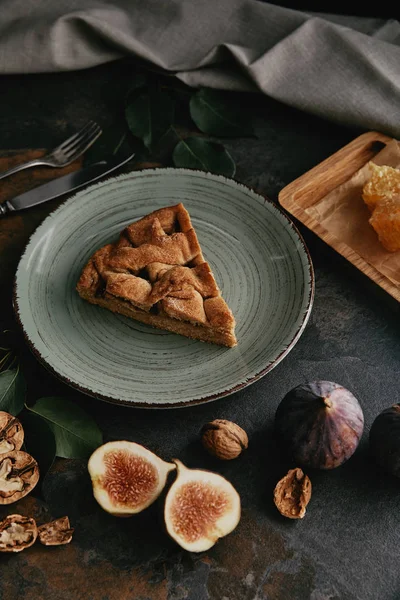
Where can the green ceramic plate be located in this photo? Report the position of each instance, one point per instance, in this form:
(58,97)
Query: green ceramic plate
(259,260)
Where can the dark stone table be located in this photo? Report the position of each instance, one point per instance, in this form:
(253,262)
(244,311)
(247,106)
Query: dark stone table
(346,547)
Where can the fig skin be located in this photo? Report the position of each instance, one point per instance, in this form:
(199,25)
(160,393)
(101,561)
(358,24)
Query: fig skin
(320,423)
(384,439)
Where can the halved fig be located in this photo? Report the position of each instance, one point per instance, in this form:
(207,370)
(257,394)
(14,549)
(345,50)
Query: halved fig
(11,433)
(200,508)
(127,477)
(19,473)
(56,532)
(17,533)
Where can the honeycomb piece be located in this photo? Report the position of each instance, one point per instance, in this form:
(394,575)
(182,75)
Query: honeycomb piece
(381,193)
(385,219)
(383,184)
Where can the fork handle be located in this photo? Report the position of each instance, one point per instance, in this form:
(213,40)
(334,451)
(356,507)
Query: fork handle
(32,163)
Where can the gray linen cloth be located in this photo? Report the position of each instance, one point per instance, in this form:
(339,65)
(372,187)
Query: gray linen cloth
(345,69)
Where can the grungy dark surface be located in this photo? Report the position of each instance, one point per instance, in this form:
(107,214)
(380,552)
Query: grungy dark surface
(346,547)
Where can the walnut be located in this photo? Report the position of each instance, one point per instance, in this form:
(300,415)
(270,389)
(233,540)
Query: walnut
(292,494)
(17,533)
(19,473)
(56,532)
(11,433)
(224,439)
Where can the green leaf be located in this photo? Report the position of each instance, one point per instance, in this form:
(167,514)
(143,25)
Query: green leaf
(150,116)
(39,440)
(6,359)
(8,350)
(75,432)
(12,391)
(140,82)
(108,143)
(197,153)
(215,113)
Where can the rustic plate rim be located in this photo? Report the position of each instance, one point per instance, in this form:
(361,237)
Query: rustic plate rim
(210,397)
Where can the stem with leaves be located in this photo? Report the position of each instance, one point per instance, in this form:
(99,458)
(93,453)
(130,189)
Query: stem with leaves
(53,426)
(154,109)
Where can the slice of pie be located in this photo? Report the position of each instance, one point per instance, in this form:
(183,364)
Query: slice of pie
(156,273)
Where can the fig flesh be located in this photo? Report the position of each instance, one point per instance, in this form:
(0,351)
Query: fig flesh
(17,533)
(11,433)
(320,424)
(200,508)
(384,439)
(127,477)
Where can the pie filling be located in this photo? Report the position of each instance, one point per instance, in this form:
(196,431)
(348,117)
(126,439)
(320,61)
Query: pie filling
(156,270)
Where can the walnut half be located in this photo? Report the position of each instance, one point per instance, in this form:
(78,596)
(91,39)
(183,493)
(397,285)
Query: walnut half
(292,494)
(11,433)
(17,533)
(19,473)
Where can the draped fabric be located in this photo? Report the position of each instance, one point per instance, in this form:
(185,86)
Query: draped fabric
(346,69)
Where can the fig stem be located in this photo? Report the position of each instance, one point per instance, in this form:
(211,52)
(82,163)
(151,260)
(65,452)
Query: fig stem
(179,465)
(327,402)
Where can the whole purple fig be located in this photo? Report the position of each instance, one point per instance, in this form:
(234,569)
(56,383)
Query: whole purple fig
(384,439)
(320,423)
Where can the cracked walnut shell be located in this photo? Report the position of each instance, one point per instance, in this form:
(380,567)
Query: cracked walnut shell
(56,532)
(19,473)
(11,433)
(292,494)
(224,439)
(17,533)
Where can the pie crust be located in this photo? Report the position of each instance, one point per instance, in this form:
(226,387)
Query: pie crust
(156,274)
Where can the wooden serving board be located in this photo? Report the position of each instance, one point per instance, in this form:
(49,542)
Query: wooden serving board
(311,187)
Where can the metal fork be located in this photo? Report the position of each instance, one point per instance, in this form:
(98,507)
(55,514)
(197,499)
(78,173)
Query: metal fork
(65,153)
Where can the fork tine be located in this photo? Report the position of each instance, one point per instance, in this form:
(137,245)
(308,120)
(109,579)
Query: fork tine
(76,137)
(88,134)
(65,153)
(91,132)
(83,144)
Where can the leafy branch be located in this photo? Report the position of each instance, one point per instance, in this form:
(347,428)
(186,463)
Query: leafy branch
(179,126)
(53,426)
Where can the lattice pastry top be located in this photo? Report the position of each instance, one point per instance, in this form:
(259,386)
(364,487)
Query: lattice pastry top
(156,273)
